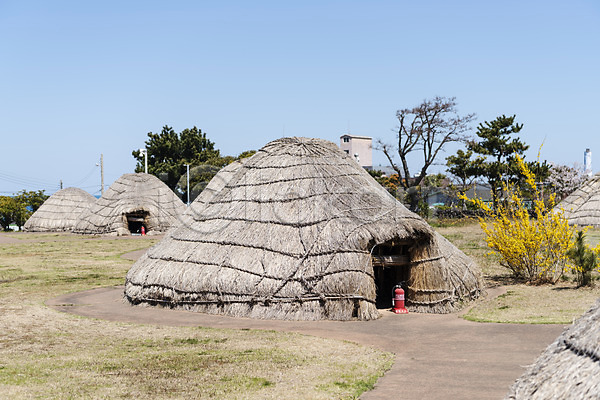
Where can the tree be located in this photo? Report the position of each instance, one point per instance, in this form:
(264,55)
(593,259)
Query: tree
(426,128)
(584,258)
(169,152)
(463,169)
(564,180)
(535,249)
(11,211)
(18,208)
(201,175)
(32,199)
(499,148)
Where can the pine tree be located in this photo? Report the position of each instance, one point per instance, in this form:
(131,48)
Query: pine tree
(585,260)
(499,147)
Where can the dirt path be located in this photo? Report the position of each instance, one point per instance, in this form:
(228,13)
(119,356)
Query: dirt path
(4,238)
(437,356)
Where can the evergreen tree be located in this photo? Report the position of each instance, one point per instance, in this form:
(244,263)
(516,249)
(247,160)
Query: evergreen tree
(499,147)
(463,169)
(169,152)
(584,259)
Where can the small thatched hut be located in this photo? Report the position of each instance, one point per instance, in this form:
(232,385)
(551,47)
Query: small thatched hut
(301,231)
(569,368)
(60,212)
(582,207)
(133,201)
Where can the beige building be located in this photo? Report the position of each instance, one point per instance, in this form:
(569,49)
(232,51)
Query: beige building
(360,148)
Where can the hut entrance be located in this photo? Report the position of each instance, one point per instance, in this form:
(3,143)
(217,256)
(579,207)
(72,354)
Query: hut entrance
(136,220)
(391,267)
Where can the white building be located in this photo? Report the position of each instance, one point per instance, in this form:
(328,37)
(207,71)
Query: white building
(358,147)
(587,163)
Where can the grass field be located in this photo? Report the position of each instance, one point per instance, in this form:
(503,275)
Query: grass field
(526,304)
(48,354)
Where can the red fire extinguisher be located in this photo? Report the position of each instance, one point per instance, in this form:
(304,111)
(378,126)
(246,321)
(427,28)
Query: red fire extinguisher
(143,230)
(399,301)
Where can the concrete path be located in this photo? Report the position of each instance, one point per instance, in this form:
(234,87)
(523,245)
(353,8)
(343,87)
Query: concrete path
(437,356)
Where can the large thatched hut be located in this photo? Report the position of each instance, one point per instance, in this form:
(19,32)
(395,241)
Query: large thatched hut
(60,212)
(301,231)
(582,207)
(569,368)
(133,201)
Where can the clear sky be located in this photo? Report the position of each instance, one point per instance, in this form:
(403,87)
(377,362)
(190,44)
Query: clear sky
(79,78)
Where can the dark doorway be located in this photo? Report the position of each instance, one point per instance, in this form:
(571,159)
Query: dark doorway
(136,220)
(391,267)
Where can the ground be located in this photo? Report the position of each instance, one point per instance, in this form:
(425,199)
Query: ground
(129,351)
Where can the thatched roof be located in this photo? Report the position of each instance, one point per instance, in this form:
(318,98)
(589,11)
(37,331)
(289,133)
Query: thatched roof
(290,236)
(143,195)
(60,211)
(582,207)
(569,368)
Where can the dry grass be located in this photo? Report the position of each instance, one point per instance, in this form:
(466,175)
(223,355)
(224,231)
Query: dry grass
(48,354)
(546,304)
(525,304)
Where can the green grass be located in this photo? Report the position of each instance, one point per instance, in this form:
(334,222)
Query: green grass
(52,355)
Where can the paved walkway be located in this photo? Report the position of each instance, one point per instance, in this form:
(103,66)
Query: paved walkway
(437,356)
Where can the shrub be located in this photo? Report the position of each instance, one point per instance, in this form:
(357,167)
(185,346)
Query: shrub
(534,243)
(584,258)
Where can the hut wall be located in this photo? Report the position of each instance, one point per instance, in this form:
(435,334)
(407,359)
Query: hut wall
(288,235)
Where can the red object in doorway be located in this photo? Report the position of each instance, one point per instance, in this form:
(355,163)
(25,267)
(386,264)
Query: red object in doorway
(399,301)
(143,230)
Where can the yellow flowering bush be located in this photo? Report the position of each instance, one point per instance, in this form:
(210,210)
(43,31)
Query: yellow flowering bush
(534,249)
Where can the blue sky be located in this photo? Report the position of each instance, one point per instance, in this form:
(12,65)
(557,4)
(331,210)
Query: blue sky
(78,78)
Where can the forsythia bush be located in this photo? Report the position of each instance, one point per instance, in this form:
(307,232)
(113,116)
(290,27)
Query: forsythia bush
(534,249)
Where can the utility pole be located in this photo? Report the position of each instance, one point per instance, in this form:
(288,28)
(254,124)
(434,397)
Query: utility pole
(101,174)
(188,183)
(61,184)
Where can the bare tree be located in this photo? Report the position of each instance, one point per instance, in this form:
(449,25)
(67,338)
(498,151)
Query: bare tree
(427,128)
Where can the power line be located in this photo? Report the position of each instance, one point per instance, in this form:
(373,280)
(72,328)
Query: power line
(24,180)
(82,180)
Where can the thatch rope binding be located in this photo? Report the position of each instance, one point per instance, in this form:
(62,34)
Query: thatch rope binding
(293,255)
(429,303)
(427,260)
(431,290)
(257,300)
(296,221)
(590,353)
(289,180)
(569,368)
(137,193)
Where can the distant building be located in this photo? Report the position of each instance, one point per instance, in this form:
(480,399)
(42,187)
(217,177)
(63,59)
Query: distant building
(587,163)
(360,148)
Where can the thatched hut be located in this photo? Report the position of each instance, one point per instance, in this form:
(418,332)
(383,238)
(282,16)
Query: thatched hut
(301,231)
(133,201)
(569,368)
(60,212)
(582,207)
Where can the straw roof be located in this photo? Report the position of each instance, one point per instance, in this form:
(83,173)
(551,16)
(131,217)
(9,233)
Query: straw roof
(289,235)
(140,194)
(569,368)
(582,207)
(60,211)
